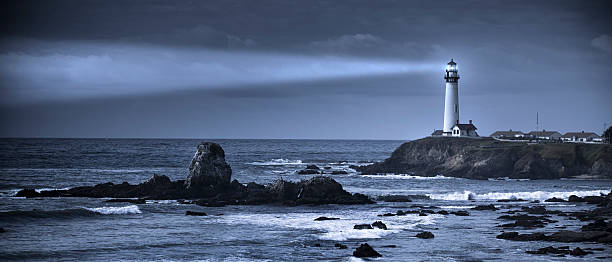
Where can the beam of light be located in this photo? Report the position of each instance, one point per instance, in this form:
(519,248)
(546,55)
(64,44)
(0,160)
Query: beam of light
(93,70)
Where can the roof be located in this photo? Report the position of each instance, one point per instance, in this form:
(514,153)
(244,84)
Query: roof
(452,62)
(580,135)
(543,133)
(437,133)
(465,126)
(507,133)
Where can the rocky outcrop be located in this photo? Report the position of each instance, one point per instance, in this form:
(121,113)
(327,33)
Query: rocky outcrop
(365,250)
(488,158)
(209,174)
(209,184)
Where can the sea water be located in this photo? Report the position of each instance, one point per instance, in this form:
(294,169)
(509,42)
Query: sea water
(91,229)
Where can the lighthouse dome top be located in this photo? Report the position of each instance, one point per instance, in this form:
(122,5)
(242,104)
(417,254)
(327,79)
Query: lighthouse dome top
(452,66)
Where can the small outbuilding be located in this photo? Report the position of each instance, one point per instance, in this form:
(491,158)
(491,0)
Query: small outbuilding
(508,134)
(464,130)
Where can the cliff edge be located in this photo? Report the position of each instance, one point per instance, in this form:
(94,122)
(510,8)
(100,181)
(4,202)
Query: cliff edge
(488,158)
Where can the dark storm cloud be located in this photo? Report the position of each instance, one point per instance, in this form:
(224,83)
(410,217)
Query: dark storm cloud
(69,62)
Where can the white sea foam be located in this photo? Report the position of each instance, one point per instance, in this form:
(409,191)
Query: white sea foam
(336,230)
(161,202)
(277,162)
(536,195)
(406,176)
(133,209)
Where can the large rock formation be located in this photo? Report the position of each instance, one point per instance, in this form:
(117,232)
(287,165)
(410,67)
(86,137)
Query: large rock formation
(209,174)
(209,183)
(487,158)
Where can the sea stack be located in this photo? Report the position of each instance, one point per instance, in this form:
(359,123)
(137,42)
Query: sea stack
(208,171)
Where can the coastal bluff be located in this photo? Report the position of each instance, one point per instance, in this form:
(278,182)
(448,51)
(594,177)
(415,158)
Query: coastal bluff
(485,158)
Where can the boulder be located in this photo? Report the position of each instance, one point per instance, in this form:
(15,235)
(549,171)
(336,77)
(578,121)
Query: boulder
(208,171)
(340,246)
(308,172)
(485,207)
(326,218)
(555,200)
(365,250)
(425,235)
(460,213)
(363,226)
(574,198)
(28,193)
(573,236)
(312,167)
(578,252)
(194,213)
(379,224)
(339,172)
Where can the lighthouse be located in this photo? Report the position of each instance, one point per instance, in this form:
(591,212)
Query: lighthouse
(451,100)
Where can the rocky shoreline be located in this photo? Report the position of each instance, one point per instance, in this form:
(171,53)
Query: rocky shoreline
(209,184)
(485,158)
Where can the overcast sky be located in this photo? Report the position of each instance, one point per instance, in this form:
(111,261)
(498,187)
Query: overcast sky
(300,69)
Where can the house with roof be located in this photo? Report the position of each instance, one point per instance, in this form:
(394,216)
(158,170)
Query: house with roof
(545,135)
(508,134)
(464,130)
(581,137)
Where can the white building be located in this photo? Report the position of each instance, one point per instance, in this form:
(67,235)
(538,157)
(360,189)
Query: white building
(581,137)
(452,127)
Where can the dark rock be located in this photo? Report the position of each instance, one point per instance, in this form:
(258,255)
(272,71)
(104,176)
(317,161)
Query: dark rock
(327,167)
(326,218)
(512,200)
(578,252)
(363,226)
(549,250)
(425,235)
(339,172)
(2,230)
(325,190)
(388,215)
(526,221)
(194,213)
(390,246)
(394,198)
(379,224)
(594,200)
(126,200)
(313,167)
(540,210)
(554,199)
(443,212)
(316,245)
(28,193)
(515,236)
(366,250)
(308,172)
(573,236)
(599,225)
(208,171)
(460,213)
(421,214)
(485,207)
(574,198)
(340,246)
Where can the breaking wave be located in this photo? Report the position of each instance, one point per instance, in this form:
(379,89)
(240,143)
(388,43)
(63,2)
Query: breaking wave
(277,162)
(133,209)
(537,195)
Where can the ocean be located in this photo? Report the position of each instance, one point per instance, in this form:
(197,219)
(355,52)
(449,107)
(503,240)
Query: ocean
(68,229)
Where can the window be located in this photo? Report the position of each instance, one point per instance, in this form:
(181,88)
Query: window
(456,108)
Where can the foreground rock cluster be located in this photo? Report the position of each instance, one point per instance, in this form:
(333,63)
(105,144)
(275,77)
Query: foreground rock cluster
(487,158)
(209,183)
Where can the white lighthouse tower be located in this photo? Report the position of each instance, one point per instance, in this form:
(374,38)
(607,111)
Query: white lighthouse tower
(451,100)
